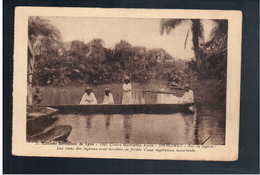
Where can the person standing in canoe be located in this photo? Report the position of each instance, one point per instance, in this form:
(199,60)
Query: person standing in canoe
(127,92)
(88,98)
(108,98)
(188,96)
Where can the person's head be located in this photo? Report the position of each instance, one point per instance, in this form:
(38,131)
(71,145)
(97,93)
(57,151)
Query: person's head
(127,80)
(88,90)
(38,89)
(187,87)
(107,91)
(172,85)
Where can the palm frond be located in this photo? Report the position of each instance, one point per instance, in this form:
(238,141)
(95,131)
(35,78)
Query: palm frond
(168,24)
(220,29)
(38,26)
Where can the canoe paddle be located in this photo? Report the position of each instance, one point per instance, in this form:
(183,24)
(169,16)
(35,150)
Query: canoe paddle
(162,92)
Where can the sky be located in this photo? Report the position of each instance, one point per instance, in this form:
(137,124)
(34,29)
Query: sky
(137,31)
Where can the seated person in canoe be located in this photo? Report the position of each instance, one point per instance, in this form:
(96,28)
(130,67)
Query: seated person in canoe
(88,98)
(188,96)
(108,98)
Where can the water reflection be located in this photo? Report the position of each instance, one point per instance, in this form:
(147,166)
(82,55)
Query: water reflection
(196,130)
(177,128)
(88,121)
(128,121)
(108,116)
(189,125)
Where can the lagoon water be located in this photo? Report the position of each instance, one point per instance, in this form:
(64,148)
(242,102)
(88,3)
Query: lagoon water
(178,128)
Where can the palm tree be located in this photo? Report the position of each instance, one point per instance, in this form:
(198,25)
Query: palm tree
(196,28)
(97,53)
(217,33)
(42,37)
(215,51)
(123,53)
(138,57)
(79,50)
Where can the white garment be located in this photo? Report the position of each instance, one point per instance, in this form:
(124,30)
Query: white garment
(188,97)
(127,94)
(88,99)
(108,99)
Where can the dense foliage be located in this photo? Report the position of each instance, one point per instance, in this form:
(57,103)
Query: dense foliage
(210,63)
(76,62)
(92,63)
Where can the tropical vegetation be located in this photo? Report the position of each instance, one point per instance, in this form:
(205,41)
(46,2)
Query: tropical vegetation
(210,62)
(54,62)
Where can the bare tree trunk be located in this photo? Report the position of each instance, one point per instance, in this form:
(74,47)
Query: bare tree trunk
(196,29)
(195,36)
(31,60)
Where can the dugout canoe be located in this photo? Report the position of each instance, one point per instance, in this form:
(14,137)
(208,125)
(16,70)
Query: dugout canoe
(124,109)
(38,119)
(59,134)
(46,112)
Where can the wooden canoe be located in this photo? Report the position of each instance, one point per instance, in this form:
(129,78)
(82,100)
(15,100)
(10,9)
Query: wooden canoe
(38,119)
(59,133)
(47,112)
(162,92)
(124,109)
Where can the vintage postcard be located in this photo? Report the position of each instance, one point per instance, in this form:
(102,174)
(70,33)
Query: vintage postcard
(127,83)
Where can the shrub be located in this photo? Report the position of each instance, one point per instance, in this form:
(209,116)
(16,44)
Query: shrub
(209,92)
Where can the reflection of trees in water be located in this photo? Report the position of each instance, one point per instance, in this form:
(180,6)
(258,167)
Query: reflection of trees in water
(128,124)
(210,126)
(107,116)
(89,117)
(189,127)
(196,130)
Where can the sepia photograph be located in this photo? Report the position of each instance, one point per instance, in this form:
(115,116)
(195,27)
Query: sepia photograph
(124,82)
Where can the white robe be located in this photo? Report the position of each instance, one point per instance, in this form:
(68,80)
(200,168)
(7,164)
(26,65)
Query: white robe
(88,99)
(108,99)
(127,96)
(188,97)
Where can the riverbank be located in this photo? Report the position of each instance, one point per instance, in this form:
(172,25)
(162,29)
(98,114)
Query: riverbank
(206,93)
(209,93)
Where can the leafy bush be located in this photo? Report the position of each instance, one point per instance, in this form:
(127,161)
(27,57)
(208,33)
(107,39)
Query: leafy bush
(209,92)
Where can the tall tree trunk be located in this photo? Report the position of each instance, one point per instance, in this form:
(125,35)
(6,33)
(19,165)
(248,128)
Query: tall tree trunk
(31,60)
(196,31)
